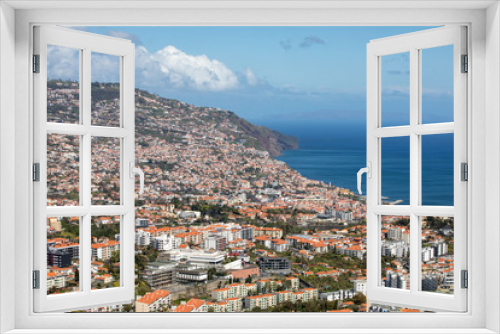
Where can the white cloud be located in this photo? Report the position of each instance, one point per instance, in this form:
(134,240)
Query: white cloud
(124,35)
(197,72)
(164,69)
(105,68)
(147,70)
(250,77)
(63,63)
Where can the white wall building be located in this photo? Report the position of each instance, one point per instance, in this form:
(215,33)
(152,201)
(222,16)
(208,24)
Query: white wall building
(360,286)
(165,242)
(142,238)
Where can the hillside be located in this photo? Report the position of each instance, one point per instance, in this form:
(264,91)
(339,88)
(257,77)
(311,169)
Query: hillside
(158,116)
(270,140)
(239,130)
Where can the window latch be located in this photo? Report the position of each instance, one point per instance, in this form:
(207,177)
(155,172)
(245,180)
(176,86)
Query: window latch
(368,171)
(137,171)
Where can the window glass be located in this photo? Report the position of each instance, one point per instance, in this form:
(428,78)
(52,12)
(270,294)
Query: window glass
(63,255)
(395,166)
(437,254)
(63,170)
(395,252)
(105,89)
(437,84)
(395,89)
(438,169)
(105,171)
(105,272)
(63,84)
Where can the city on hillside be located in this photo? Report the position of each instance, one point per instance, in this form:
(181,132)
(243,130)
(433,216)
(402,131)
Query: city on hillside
(222,226)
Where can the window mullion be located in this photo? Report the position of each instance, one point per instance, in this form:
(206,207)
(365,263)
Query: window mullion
(415,170)
(86,167)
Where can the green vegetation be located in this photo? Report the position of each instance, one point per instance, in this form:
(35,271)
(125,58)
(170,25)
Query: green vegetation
(300,306)
(70,230)
(105,230)
(288,228)
(217,212)
(328,283)
(177,302)
(437,223)
(101,91)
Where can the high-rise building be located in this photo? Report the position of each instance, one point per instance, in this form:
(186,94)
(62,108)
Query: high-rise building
(60,258)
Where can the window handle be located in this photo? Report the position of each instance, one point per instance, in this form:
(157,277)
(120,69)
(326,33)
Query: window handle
(368,171)
(137,171)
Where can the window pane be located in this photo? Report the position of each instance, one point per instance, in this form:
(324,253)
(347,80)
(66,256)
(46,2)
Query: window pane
(437,254)
(105,89)
(395,166)
(63,254)
(395,90)
(395,252)
(105,171)
(437,169)
(63,84)
(105,231)
(63,170)
(437,84)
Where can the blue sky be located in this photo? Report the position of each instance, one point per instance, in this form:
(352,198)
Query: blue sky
(279,74)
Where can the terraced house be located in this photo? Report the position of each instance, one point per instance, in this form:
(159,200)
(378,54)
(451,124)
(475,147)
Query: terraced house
(263,301)
(153,301)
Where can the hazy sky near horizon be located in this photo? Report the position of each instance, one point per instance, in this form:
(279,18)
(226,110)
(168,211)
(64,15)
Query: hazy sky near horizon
(272,73)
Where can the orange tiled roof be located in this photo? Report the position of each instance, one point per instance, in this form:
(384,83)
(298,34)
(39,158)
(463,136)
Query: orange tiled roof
(196,303)
(184,309)
(151,297)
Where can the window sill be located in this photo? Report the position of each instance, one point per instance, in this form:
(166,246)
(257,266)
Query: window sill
(250,331)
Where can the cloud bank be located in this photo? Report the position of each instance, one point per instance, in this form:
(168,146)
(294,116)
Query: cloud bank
(168,67)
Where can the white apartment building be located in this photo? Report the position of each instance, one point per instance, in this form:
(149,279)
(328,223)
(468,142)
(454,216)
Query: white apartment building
(201,258)
(165,242)
(142,238)
(360,286)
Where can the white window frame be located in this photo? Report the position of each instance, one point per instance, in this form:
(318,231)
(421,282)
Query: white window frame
(483,21)
(85,43)
(414,43)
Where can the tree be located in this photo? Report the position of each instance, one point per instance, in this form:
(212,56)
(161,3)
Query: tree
(127,308)
(211,273)
(287,284)
(77,275)
(248,279)
(359,298)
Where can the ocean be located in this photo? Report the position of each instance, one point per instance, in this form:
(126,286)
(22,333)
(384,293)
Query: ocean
(334,153)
